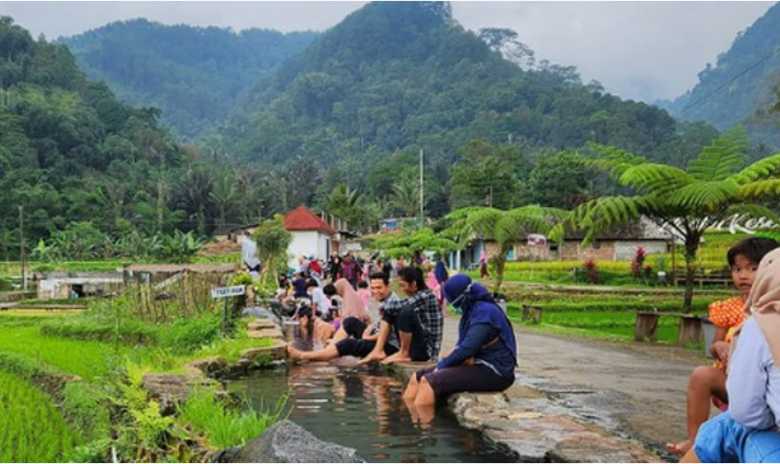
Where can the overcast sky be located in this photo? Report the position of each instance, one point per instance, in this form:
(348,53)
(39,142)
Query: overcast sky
(640,50)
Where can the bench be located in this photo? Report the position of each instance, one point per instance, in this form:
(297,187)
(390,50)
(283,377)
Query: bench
(690,328)
(715,278)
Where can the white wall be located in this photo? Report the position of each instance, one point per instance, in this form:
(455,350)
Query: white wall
(307,243)
(625,250)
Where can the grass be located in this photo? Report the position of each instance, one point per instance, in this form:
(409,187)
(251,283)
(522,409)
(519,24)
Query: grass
(225,427)
(31,428)
(87,359)
(552,301)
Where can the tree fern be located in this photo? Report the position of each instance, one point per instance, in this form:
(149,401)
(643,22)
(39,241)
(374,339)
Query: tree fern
(655,178)
(720,159)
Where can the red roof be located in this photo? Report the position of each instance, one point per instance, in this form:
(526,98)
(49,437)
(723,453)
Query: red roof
(301,218)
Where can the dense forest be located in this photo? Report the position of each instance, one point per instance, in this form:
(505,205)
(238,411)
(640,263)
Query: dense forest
(82,164)
(193,74)
(339,126)
(395,78)
(740,88)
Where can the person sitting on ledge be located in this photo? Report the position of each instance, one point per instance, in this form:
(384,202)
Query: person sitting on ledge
(485,356)
(417,321)
(358,338)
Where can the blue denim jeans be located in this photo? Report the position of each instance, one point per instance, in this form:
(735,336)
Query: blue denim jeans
(722,439)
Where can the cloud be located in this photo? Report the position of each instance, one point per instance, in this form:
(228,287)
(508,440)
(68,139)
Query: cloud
(639,50)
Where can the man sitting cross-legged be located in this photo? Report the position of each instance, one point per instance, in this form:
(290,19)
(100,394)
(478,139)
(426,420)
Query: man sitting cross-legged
(416,320)
(359,339)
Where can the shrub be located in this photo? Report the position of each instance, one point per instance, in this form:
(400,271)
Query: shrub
(186,335)
(224,427)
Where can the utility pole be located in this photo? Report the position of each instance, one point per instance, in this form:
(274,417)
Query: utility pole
(422,188)
(21,247)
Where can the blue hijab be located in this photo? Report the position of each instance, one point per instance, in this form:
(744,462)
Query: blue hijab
(440,271)
(478,307)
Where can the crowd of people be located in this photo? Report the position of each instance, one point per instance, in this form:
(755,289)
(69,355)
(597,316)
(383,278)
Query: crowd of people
(348,308)
(358,314)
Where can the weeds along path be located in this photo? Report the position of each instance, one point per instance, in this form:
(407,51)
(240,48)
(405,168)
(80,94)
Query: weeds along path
(32,429)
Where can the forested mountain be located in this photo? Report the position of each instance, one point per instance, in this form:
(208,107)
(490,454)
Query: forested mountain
(193,74)
(74,157)
(741,86)
(396,77)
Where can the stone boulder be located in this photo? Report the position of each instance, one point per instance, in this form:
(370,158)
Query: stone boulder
(170,390)
(288,442)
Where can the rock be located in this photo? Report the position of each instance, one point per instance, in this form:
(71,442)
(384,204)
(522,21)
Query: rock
(272,353)
(259,324)
(266,333)
(170,390)
(211,366)
(593,447)
(288,442)
(257,311)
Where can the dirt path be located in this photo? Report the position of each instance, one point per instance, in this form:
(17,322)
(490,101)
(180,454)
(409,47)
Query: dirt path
(633,389)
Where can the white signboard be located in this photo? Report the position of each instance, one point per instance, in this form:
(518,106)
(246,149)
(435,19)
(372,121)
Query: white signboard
(227,292)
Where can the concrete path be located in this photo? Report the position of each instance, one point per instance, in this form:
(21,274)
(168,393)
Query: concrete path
(634,390)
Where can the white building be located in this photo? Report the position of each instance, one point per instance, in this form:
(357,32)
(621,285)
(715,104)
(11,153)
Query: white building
(311,236)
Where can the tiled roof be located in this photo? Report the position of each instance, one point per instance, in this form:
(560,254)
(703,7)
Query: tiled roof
(301,218)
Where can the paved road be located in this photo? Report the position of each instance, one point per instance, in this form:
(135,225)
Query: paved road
(636,389)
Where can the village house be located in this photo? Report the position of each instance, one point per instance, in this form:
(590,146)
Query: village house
(311,236)
(617,244)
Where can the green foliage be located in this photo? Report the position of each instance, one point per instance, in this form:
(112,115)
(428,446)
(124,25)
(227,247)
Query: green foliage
(88,359)
(561,180)
(715,187)
(85,410)
(407,243)
(504,227)
(225,427)
(185,335)
(272,242)
(487,175)
(33,428)
(193,74)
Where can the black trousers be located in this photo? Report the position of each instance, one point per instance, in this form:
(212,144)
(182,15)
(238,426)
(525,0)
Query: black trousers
(354,345)
(409,322)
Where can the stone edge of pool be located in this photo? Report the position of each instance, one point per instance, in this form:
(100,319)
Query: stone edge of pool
(533,426)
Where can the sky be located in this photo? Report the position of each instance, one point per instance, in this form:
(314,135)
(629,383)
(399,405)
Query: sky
(637,50)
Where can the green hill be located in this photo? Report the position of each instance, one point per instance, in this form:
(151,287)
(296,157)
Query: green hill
(741,86)
(193,74)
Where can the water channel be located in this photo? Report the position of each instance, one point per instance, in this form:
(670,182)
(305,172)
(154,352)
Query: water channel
(362,408)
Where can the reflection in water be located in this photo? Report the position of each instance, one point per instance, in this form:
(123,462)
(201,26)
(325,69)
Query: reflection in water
(363,409)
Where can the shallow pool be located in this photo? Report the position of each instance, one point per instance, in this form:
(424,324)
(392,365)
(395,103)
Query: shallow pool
(362,408)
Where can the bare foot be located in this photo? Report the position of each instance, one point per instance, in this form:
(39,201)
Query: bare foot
(374,356)
(396,358)
(680,448)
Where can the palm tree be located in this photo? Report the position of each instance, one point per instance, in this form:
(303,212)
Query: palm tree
(506,228)
(225,195)
(716,186)
(406,197)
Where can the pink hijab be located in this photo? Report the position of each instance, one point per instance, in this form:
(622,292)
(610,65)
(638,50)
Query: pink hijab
(764,301)
(353,304)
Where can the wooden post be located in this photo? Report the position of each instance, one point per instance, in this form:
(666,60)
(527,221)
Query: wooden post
(690,330)
(536,315)
(646,325)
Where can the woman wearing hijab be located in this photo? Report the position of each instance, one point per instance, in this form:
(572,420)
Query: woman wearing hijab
(747,432)
(485,356)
